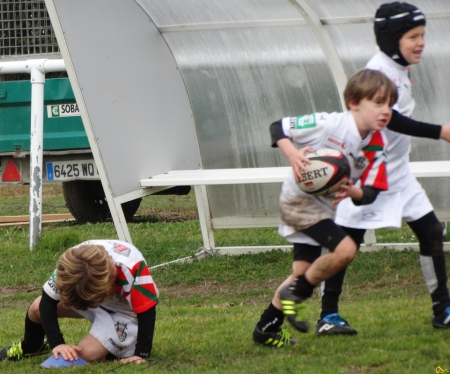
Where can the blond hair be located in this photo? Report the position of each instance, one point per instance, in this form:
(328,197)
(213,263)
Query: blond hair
(366,83)
(85,276)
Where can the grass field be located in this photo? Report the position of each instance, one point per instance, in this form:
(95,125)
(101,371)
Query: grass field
(208,308)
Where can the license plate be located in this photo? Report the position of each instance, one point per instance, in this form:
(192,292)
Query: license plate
(70,170)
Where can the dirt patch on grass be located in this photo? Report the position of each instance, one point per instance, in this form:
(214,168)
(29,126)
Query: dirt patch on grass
(179,292)
(209,289)
(168,216)
(261,292)
(14,290)
(6,292)
(230,294)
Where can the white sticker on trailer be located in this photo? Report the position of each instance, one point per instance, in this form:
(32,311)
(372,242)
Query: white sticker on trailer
(62,110)
(71,170)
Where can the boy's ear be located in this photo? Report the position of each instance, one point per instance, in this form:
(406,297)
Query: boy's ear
(352,105)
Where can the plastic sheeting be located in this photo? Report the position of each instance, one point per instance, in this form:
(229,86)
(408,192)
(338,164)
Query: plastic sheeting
(247,63)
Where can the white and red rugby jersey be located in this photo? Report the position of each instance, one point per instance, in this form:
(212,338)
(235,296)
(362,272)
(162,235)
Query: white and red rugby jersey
(338,131)
(135,290)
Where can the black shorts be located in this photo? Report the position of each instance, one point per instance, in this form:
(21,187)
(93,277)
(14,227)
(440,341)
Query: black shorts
(326,233)
(306,252)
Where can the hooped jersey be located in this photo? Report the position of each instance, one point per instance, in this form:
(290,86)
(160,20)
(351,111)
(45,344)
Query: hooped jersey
(135,291)
(399,145)
(338,131)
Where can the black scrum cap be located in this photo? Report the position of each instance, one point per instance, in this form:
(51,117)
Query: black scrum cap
(392,21)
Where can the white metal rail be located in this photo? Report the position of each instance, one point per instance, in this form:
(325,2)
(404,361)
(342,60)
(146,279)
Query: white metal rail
(202,178)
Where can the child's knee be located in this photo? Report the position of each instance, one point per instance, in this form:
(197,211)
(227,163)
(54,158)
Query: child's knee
(299,268)
(346,251)
(33,310)
(91,349)
(89,356)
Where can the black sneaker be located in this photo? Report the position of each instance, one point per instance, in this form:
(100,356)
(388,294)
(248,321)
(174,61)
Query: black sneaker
(334,324)
(295,309)
(14,351)
(442,321)
(273,339)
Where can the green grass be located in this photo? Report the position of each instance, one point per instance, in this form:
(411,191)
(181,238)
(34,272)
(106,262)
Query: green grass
(208,308)
(14,201)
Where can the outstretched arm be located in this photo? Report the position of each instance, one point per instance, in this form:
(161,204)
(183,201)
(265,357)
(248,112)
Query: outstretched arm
(445,132)
(408,126)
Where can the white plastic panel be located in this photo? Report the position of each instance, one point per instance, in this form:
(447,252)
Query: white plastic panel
(242,64)
(134,94)
(176,12)
(362,8)
(240,81)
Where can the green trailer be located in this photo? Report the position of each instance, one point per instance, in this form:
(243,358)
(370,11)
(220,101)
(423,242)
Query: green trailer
(67,157)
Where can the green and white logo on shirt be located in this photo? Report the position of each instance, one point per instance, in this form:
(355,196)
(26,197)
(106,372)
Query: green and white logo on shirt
(305,122)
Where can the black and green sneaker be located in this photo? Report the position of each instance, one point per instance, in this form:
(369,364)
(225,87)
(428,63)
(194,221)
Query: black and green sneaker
(14,351)
(277,339)
(295,309)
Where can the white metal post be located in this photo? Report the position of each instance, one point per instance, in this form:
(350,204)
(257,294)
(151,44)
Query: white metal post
(37,69)
(204,215)
(36,154)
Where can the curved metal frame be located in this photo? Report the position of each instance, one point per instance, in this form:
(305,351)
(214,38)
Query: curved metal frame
(327,45)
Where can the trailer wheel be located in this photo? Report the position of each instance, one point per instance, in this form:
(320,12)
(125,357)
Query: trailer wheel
(86,201)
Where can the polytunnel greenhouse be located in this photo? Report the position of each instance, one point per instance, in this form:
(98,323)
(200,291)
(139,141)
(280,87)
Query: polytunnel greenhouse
(179,85)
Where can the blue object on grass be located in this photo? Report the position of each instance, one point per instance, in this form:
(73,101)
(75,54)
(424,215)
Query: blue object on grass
(59,362)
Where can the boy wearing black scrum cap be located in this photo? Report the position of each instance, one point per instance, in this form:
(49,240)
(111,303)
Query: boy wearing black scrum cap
(399,29)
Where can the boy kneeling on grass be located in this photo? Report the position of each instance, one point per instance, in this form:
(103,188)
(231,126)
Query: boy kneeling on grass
(108,283)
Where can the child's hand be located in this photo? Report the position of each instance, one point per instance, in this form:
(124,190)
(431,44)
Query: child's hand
(347,190)
(295,156)
(445,132)
(68,352)
(298,160)
(135,359)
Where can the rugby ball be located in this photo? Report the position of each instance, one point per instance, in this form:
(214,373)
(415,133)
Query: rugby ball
(328,171)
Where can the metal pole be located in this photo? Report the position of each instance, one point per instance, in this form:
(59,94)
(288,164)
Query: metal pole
(316,26)
(36,154)
(37,69)
(45,66)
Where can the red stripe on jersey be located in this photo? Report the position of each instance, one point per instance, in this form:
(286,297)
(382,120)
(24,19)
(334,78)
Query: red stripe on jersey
(143,296)
(381,181)
(375,173)
(140,295)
